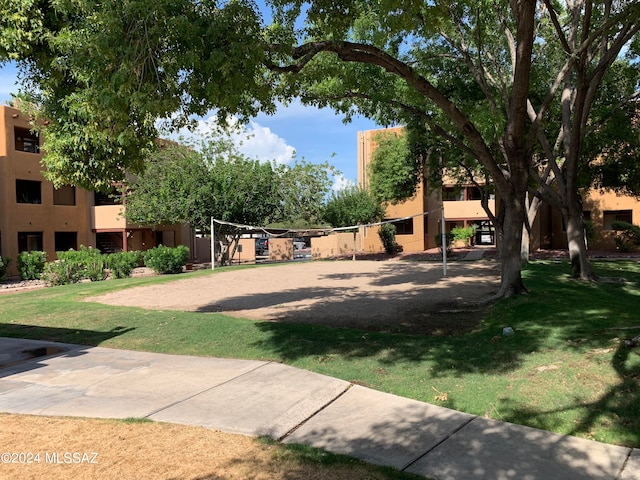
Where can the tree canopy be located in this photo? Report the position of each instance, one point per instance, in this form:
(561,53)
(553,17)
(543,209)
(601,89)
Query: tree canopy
(184,184)
(353,206)
(393,173)
(504,82)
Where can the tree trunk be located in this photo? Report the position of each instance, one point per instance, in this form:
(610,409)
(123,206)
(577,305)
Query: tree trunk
(533,206)
(577,240)
(525,247)
(510,250)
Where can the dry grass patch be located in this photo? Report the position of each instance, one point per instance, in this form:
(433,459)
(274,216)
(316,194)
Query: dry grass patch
(151,450)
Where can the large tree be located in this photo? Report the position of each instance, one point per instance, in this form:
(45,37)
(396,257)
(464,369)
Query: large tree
(588,38)
(105,71)
(192,185)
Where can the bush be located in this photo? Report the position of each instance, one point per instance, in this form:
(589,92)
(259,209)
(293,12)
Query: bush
(4,266)
(590,230)
(31,264)
(627,235)
(464,234)
(166,259)
(122,264)
(62,272)
(89,261)
(449,237)
(387,234)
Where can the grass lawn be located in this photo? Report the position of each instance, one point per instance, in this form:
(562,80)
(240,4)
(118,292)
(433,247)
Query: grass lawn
(566,369)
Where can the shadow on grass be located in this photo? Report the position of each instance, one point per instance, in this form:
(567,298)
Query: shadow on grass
(616,410)
(63,335)
(472,352)
(590,321)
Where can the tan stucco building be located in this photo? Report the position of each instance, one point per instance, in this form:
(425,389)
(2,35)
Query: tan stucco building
(462,207)
(34,215)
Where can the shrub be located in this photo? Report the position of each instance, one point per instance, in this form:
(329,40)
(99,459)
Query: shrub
(464,234)
(166,259)
(31,264)
(449,239)
(627,235)
(4,266)
(62,272)
(122,264)
(590,230)
(89,261)
(387,234)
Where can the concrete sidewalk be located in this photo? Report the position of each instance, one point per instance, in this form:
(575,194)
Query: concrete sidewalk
(294,406)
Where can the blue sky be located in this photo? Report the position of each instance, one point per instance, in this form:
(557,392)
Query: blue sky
(317,135)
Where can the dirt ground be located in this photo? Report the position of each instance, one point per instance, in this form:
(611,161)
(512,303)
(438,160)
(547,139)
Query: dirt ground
(76,448)
(392,296)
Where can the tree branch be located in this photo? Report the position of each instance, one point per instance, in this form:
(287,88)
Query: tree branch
(371,55)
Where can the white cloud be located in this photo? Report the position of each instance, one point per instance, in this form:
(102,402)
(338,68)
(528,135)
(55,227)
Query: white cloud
(340,183)
(254,140)
(265,145)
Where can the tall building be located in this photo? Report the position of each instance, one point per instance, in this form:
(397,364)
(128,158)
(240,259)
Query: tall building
(422,214)
(462,208)
(34,215)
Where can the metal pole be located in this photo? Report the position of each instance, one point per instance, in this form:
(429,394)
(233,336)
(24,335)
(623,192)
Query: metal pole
(213,246)
(443,225)
(443,240)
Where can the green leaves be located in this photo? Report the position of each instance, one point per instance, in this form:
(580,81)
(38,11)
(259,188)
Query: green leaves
(393,171)
(102,73)
(191,185)
(353,206)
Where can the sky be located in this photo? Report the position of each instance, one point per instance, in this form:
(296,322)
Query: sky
(316,135)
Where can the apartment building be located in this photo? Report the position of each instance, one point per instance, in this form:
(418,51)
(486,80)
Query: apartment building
(601,207)
(462,208)
(34,215)
(422,214)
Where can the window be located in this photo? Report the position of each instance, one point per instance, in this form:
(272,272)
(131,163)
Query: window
(452,194)
(610,216)
(474,193)
(65,195)
(28,241)
(485,234)
(113,197)
(66,241)
(404,227)
(28,191)
(26,141)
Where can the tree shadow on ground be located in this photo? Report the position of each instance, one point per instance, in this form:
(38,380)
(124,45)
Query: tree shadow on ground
(474,352)
(617,409)
(476,448)
(22,343)
(593,322)
(394,300)
(57,334)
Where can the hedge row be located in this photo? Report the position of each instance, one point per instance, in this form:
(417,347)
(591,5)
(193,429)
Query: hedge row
(88,263)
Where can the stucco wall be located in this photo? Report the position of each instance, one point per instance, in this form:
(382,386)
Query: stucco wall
(337,244)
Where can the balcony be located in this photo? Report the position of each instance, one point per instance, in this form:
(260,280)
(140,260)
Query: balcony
(108,217)
(466,210)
